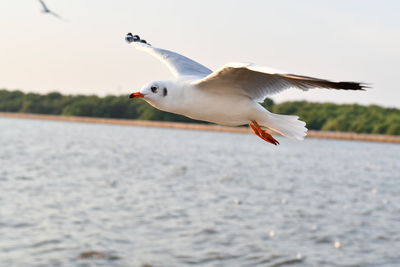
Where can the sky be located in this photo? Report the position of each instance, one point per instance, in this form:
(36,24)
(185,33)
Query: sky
(86,54)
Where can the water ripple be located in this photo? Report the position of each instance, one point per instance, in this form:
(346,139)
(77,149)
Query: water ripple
(75,194)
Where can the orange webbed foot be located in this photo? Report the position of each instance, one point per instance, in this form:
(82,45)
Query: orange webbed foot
(262,133)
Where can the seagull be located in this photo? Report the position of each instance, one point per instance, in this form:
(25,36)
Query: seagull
(48,11)
(229,96)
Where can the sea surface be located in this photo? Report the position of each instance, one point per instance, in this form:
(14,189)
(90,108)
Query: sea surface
(76,194)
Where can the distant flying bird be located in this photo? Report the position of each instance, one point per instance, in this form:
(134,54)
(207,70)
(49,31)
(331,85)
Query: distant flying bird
(229,96)
(48,11)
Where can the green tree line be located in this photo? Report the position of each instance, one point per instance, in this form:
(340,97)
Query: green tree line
(318,116)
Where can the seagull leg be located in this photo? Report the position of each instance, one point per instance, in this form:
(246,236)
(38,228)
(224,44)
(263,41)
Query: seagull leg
(262,133)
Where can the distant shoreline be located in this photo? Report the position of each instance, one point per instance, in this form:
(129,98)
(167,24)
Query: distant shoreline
(199,127)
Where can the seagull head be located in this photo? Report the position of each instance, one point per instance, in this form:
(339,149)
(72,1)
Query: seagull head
(156,93)
(152,90)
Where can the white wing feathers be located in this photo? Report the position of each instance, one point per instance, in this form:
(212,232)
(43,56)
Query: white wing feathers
(178,64)
(258,82)
(247,79)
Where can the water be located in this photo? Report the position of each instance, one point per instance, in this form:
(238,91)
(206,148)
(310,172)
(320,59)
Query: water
(166,197)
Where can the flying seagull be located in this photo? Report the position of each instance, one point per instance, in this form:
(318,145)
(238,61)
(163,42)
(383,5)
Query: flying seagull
(46,10)
(228,96)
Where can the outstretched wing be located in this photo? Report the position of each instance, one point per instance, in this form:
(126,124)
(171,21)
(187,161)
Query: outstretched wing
(56,15)
(178,64)
(258,82)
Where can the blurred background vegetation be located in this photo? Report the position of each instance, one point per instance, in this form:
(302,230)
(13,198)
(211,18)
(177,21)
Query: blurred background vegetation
(318,116)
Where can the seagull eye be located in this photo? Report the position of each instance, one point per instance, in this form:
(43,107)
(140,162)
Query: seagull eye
(154,89)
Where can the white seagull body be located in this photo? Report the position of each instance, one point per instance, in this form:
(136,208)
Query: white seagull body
(229,96)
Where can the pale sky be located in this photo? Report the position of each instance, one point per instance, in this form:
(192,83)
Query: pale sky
(340,40)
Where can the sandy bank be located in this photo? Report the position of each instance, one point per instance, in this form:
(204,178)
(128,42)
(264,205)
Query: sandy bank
(200,127)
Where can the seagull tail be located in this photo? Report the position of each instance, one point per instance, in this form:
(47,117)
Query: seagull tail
(286,125)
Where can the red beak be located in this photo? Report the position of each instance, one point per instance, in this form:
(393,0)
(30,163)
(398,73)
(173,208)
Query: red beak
(136,95)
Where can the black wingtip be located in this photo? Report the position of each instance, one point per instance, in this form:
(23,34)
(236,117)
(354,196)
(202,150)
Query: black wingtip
(365,86)
(130,38)
(357,86)
(354,86)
